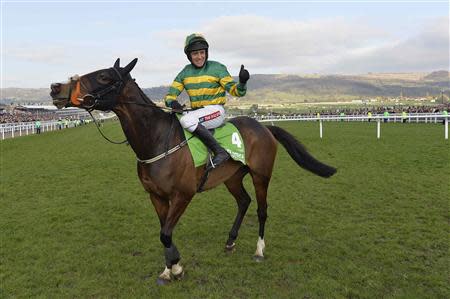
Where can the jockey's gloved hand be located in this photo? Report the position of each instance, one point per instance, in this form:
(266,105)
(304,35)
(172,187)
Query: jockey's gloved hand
(244,75)
(176,105)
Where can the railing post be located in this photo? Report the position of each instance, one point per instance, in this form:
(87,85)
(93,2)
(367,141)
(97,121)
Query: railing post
(3,133)
(378,128)
(12,131)
(20,130)
(446,128)
(320,128)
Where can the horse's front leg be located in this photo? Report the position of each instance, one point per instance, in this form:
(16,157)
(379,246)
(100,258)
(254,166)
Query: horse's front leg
(162,208)
(173,268)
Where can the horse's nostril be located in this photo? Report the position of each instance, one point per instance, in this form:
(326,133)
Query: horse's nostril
(55,87)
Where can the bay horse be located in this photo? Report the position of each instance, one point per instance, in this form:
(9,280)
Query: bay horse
(171,178)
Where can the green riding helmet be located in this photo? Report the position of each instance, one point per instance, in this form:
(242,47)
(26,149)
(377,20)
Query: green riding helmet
(195,42)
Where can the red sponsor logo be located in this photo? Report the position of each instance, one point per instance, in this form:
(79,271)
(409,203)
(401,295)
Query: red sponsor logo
(211,116)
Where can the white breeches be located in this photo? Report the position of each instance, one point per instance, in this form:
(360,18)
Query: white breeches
(210,117)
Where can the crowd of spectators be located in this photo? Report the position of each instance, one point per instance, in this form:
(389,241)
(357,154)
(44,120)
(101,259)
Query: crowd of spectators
(23,116)
(26,117)
(361,111)
(382,109)
(17,116)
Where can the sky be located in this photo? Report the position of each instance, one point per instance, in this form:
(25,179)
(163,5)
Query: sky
(48,41)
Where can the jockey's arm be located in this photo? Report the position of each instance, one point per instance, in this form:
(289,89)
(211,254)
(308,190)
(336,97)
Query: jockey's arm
(174,91)
(232,87)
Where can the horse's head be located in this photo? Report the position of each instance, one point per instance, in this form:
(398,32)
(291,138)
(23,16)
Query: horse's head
(97,90)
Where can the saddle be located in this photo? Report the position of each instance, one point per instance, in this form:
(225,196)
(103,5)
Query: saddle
(228,136)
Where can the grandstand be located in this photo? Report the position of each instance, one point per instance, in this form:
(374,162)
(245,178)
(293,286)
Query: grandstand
(28,113)
(70,112)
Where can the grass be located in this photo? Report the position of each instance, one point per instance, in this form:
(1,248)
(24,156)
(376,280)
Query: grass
(75,221)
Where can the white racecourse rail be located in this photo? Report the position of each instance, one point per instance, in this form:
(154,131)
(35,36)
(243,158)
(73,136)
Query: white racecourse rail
(412,117)
(12,130)
(25,128)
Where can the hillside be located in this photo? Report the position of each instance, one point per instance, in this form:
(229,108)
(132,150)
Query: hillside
(438,76)
(298,88)
(337,87)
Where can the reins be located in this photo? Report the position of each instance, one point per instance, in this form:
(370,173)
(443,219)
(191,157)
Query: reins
(97,125)
(98,95)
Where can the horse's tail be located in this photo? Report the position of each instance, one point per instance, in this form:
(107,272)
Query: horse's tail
(299,154)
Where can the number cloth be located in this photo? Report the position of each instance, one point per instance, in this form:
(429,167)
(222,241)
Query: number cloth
(227,136)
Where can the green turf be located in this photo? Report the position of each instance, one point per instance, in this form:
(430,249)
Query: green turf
(75,221)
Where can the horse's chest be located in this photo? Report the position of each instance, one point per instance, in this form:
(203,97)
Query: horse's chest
(154,179)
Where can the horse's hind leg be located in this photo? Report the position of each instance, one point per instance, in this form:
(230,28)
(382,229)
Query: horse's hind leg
(236,188)
(261,184)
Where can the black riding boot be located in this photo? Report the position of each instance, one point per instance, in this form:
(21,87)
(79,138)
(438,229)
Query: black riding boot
(220,155)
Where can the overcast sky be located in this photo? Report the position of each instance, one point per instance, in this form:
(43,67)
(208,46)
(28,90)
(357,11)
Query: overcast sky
(47,41)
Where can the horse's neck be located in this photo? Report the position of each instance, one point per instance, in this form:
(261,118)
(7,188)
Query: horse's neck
(145,127)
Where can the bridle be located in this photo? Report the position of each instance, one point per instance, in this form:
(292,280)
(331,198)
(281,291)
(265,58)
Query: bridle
(98,94)
(100,102)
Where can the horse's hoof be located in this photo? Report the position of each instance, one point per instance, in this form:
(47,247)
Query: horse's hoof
(179,276)
(162,282)
(230,248)
(258,258)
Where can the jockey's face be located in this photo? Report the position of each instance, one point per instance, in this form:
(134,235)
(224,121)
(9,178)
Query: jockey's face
(198,57)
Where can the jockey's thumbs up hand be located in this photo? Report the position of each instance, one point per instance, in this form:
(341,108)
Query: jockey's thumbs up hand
(243,75)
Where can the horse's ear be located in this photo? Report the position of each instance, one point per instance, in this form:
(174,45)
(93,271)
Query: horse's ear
(129,67)
(117,63)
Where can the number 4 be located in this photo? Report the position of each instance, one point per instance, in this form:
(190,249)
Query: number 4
(236,140)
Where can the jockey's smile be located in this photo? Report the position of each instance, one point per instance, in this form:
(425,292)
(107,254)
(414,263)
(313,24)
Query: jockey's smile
(198,58)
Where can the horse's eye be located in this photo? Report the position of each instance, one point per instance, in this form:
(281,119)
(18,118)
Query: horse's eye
(103,78)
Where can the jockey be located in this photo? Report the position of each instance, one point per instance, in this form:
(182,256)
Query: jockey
(205,82)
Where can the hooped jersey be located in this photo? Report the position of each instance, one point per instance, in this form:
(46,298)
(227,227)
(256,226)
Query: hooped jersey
(205,86)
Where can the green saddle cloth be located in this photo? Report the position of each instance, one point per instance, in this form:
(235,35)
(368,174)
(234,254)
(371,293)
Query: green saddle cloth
(228,137)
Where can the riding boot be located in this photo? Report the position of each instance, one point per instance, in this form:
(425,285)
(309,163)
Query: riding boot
(220,154)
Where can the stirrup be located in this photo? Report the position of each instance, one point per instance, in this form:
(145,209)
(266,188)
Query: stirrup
(211,164)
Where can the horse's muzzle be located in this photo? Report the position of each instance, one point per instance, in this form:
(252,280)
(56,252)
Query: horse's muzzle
(60,99)
(56,89)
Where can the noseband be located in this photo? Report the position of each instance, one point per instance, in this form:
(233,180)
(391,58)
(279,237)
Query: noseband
(99,102)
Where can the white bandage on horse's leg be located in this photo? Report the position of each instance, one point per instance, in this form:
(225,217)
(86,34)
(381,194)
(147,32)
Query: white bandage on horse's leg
(177,269)
(260,245)
(165,274)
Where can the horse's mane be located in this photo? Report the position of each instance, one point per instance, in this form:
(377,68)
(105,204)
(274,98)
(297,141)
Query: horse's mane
(146,98)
